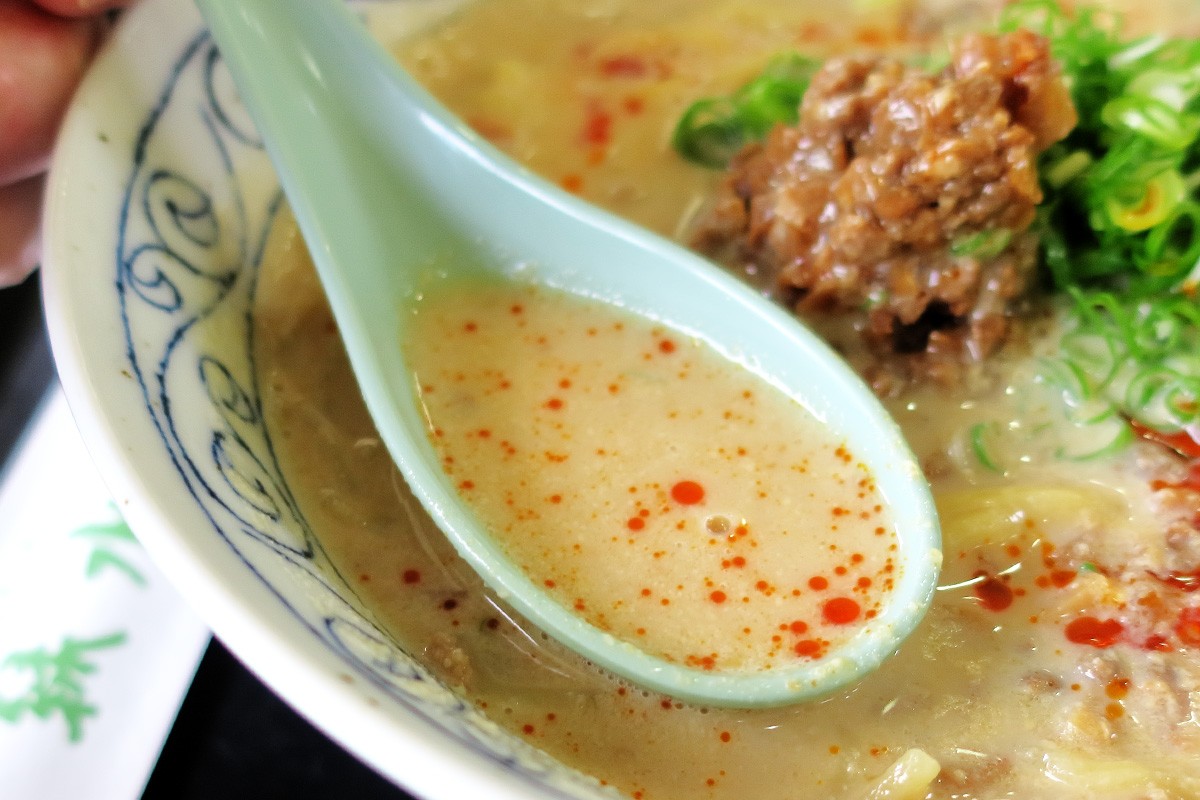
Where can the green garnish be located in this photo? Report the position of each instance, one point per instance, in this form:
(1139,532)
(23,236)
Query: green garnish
(1141,358)
(979,435)
(713,129)
(1120,211)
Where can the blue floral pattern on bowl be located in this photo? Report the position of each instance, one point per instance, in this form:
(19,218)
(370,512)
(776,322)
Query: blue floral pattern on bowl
(192,229)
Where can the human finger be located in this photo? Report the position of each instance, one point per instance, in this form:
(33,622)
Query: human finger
(20,209)
(81,8)
(42,58)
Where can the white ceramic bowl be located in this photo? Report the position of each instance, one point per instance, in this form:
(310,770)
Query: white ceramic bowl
(159,200)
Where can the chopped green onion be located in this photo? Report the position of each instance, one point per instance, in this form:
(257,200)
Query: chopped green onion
(978,434)
(712,130)
(985,244)
(1158,200)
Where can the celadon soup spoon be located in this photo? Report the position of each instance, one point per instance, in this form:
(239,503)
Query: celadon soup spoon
(386,185)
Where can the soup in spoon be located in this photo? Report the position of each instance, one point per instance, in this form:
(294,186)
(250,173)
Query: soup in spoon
(665,493)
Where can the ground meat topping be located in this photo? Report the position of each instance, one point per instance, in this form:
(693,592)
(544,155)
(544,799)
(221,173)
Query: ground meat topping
(904,196)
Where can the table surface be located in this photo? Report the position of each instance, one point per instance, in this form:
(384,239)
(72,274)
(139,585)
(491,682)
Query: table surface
(233,738)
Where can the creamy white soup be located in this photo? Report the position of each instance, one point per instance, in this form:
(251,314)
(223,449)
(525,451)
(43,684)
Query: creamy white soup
(1061,656)
(658,489)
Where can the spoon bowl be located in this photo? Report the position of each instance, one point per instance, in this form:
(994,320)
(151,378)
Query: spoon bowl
(389,189)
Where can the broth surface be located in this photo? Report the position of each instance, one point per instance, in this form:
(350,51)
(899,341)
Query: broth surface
(666,494)
(1054,662)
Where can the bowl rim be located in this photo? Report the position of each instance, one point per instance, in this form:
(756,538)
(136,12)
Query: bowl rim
(275,645)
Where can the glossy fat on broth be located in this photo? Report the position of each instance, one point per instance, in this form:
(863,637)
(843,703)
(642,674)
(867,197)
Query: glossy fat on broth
(1055,662)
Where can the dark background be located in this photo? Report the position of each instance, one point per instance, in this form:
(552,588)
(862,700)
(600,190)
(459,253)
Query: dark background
(233,738)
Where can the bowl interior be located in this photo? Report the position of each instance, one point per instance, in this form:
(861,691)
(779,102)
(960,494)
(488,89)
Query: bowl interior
(160,201)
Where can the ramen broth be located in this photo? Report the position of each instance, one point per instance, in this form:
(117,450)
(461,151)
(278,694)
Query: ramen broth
(663,492)
(1055,661)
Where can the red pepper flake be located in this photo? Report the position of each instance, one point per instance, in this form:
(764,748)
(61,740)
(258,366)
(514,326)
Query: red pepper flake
(1181,442)
(1188,626)
(550,584)
(841,611)
(1183,581)
(818,583)
(466,485)
(994,594)
(528,729)
(687,493)
(411,576)
(718,597)
(635,523)
(1099,633)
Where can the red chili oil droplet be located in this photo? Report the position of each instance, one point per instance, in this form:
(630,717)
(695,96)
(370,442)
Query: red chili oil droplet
(550,584)
(798,627)
(1099,633)
(1183,581)
(687,493)
(623,66)
(666,346)
(573,183)
(554,404)
(809,648)
(718,596)
(411,576)
(597,127)
(635,523)
(1188,626)
(1062,577)
(726,736)
(994,594)
(528,729)
(841,611)
(818,583)
(1157,644)
(470,327)
(1117,688)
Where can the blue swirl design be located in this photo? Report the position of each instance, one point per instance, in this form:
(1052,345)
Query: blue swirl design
(192,229)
